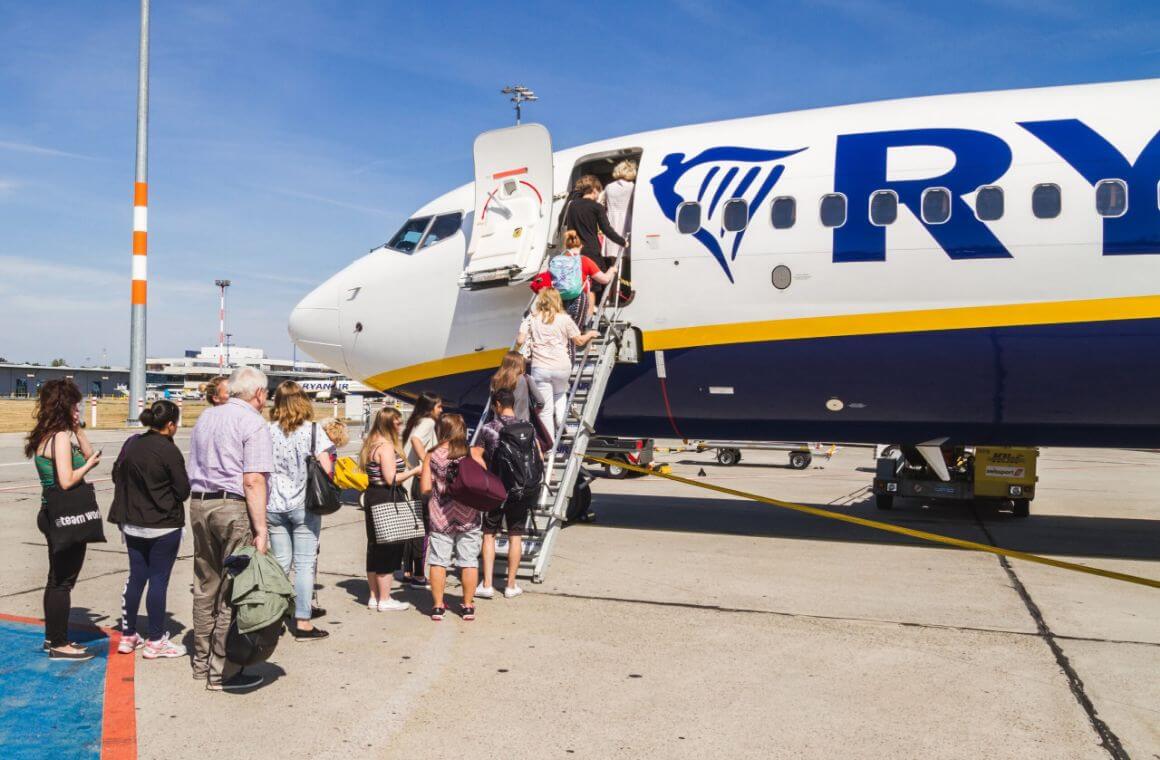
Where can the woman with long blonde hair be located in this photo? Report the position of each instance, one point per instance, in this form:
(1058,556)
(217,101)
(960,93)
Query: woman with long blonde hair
(618,200)
(387,471)
(548,331)
(292,528)
(512,375)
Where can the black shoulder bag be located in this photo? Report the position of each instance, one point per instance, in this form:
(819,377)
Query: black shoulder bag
(73,514)
(322,495)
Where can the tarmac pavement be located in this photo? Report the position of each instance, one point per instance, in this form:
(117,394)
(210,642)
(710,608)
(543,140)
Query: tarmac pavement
(685,624)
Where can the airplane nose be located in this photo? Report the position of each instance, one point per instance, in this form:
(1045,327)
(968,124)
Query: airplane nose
(314,326)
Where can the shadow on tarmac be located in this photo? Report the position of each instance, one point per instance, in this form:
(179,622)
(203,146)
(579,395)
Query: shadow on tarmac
(419,598)
(1066,535)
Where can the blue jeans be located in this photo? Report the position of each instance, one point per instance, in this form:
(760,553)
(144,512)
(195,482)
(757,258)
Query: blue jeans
(294,536)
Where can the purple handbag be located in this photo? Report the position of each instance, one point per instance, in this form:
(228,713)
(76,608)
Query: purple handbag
(473,486)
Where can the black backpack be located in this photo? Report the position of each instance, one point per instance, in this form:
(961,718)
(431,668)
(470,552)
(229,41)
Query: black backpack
(516,460)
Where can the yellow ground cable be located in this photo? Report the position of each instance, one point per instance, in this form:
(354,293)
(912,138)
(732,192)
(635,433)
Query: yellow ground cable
(947,540)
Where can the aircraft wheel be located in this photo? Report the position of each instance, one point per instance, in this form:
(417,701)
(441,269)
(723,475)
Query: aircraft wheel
(799,460)
(1022,507)
(580,503)
(728,457)
(615,471)
(884,501)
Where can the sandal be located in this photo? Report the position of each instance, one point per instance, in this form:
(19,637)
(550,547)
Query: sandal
(438,613)
(468,612)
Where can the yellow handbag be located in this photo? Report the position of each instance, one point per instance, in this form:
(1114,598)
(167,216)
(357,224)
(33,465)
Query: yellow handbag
(347,474)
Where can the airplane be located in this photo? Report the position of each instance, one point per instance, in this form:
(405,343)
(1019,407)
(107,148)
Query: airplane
(324,389)
(972,269)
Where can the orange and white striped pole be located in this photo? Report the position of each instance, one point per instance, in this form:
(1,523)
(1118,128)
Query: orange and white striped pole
(140,231)
(140,241)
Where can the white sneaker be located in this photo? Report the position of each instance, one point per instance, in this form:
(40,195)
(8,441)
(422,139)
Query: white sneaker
(128,645)
(393,605)
(511,592)
(484,592)
(162,649)
(373,604)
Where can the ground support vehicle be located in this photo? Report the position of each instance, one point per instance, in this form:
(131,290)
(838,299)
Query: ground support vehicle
(635,451)
(1000,474)
(729,452)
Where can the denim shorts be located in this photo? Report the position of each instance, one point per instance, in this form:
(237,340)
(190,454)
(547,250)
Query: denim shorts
(464,546)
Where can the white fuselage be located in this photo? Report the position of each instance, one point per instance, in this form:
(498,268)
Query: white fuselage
(401,321)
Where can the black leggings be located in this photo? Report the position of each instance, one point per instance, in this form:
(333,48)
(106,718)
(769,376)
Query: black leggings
(63,568)
(150,562)
(415,550)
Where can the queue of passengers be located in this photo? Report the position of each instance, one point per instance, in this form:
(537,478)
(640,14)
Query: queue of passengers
(246,483)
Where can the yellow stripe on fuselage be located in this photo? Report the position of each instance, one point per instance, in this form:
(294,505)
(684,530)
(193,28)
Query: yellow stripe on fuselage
(844,325)
(923,320)
(452,365)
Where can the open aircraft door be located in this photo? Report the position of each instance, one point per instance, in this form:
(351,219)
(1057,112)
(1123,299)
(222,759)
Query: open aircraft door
(513,206)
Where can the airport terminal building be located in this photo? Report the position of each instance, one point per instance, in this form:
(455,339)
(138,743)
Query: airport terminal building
(184,375)
(193,370)
(24,380)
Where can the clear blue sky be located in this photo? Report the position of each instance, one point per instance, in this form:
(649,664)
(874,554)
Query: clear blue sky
(289,137)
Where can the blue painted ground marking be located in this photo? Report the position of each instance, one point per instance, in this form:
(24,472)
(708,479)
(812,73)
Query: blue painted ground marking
(49,709)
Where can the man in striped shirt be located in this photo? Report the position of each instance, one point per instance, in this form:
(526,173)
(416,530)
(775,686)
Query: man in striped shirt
(230,458)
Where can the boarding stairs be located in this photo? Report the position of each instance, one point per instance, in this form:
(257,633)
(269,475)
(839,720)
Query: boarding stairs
(564,476)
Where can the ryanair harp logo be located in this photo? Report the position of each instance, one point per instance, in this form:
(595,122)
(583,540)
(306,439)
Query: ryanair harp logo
(712,178)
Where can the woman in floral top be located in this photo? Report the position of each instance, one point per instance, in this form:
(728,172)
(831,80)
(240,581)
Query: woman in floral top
(455,531)
(293,529)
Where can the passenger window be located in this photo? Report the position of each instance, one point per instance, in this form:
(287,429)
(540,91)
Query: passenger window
(936,205)
(989,203)
(409,234)
(833,210)
(445,226)
(883,207)
(688,218)
(1045,201)
(735,215)
(1111,197)
(784,212)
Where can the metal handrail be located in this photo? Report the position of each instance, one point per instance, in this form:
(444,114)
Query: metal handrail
(613,287)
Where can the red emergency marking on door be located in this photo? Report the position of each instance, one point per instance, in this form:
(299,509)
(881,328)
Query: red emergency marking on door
(534,190)
(510,173)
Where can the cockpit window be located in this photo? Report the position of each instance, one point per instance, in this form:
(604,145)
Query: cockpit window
(410,234)
(444,226)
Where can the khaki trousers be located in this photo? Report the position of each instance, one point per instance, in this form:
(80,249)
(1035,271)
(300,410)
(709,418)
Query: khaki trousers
(220,527)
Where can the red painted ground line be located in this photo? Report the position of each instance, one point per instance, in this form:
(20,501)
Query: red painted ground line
(119,716)
(119,724)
